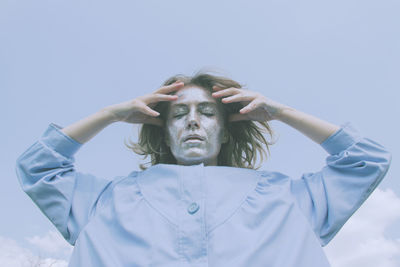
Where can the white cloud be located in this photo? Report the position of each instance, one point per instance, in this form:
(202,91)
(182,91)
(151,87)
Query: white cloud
(362,241)
(14,255)
(51,244)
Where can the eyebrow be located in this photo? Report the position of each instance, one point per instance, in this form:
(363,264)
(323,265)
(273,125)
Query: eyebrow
(205,103)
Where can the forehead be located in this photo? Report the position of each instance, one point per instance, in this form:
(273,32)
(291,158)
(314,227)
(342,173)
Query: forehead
(193,94)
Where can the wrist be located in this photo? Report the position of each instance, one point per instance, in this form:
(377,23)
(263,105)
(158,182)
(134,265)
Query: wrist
(283,113)
(107,115)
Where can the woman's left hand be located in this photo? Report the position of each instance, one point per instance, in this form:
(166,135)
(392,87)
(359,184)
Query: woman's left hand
(255,106)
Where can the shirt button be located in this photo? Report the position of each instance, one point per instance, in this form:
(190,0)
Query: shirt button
(193,208)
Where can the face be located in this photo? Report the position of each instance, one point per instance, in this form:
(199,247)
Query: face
(195,128)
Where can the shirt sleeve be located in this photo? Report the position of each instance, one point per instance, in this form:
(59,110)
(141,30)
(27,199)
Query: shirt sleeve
(47,174)
(354,168)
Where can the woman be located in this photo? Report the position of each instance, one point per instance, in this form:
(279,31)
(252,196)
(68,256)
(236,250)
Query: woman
(201,202)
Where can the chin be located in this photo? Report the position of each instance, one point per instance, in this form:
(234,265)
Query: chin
(193,160)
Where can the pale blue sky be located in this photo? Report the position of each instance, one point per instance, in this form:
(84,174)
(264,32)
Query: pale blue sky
(62,60)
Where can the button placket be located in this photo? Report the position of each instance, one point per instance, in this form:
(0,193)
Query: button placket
(192,222)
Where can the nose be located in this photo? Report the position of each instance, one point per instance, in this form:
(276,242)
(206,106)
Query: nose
(193,124)
(193,120)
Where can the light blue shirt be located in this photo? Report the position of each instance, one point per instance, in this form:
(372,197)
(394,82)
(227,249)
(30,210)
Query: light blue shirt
(173,215)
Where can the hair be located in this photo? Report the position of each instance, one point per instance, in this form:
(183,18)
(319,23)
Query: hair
(245,138)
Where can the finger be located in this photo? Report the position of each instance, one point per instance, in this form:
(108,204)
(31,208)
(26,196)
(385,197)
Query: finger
(170,88)
(225,92)
(237,98)
(237,117)
(219,88)
(160,97)
(250,107)
(148,111)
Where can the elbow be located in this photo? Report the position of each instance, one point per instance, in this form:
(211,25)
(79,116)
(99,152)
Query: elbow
(380,165)
(377,155)
(32,172)
(22,171)
(362,159)
(386,161)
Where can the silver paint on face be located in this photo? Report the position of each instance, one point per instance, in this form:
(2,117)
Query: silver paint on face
(195,113)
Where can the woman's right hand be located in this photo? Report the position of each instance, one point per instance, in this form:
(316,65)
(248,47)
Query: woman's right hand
(139,110)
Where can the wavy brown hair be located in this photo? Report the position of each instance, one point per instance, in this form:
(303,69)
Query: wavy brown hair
(245,139)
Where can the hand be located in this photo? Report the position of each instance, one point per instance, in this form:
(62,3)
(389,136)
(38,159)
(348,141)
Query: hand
(255,106)
(139,110)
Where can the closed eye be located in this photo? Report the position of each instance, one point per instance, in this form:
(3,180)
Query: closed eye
(207,114)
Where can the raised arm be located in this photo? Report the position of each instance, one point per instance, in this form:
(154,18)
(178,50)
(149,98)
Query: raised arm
(137,110)
(85,129)
(316,129)
(259,108)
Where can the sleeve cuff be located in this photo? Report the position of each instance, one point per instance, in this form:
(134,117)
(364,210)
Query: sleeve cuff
(54,138)
(342,139)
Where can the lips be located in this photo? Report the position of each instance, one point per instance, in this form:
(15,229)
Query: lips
(193,137)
